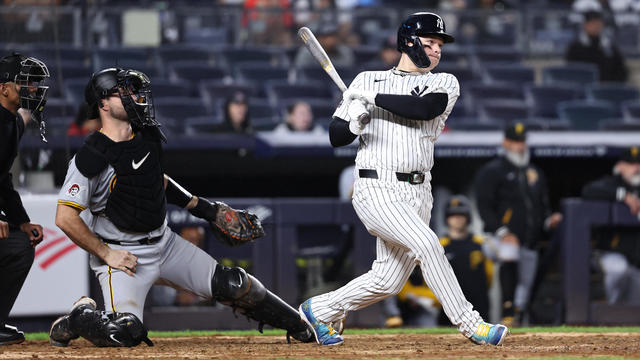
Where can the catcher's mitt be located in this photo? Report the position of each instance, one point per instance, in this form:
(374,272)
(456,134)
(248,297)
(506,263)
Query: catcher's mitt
(232,227)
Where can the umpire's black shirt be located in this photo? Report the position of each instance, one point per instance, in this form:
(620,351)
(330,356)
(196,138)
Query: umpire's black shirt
(513,197)
(11,130)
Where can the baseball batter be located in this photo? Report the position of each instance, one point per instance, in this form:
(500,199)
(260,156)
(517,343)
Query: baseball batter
(117,175)
(392,194)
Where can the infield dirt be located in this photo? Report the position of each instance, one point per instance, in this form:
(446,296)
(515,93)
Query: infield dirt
(397,346)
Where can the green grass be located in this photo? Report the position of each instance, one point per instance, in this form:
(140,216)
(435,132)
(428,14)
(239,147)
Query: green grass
(187,333)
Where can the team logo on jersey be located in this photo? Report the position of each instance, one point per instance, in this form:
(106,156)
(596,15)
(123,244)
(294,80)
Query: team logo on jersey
(73,190)
(475,259)
(419,91)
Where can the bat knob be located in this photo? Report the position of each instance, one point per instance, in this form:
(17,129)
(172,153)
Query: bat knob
(364,118)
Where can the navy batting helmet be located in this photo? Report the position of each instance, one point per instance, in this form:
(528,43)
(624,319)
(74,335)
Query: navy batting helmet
(458,205)
(416,25)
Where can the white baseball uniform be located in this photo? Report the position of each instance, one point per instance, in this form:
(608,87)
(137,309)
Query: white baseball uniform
(397,212)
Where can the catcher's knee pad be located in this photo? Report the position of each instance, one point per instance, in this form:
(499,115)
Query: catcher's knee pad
(102,329)
(246,294)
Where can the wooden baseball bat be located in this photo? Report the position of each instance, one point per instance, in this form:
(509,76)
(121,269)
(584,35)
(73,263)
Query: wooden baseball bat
(319,54)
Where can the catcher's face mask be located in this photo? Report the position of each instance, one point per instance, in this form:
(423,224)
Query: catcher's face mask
(134,89)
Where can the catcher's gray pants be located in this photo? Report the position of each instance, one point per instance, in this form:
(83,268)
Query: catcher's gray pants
(398,213)
(172,261)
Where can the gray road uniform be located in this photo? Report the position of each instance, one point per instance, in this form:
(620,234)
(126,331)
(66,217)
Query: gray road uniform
(168,259)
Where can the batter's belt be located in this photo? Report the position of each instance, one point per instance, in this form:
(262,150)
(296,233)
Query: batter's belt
(414,177)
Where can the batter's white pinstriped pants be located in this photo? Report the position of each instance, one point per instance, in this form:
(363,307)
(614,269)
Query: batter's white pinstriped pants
(398,214)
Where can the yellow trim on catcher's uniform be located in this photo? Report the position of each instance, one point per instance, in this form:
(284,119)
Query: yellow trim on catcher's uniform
(113,305)
(72,204)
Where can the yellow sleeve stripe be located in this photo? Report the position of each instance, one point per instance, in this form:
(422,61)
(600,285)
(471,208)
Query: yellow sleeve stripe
(72,204)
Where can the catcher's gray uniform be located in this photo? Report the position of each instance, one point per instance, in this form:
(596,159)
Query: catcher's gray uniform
(170,260)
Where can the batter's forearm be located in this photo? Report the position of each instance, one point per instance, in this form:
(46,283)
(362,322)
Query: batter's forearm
(339,133)
(414,107)
(69,221)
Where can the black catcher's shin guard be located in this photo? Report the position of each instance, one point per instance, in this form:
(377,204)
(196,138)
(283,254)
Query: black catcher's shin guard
(247,295)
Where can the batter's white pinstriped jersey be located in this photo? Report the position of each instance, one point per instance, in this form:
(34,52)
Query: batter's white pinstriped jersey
(390,141)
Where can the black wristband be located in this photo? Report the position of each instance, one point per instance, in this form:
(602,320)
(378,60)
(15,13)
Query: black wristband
(204,209)
(176,194)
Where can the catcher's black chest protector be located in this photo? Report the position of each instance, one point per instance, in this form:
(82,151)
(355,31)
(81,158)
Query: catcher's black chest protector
(136,200)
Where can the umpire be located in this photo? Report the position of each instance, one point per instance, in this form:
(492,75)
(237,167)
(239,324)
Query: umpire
(513,203)
(18,236)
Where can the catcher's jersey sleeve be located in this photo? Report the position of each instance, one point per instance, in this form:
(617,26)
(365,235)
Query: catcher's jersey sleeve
(80,192)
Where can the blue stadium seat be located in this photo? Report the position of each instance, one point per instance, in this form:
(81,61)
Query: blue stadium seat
(574,73)
(195,71)
(280,91)
(249,74)
(631,109)
(163,88)
(496,54)
(462,73)
(121,56)
(506,110)
(215,91)
(179,108)
(57,125)
(74,90)
(614,93)
(70,69)
(49,54)
(480,92)
(263,116)
(202,124)
(619,124)
(545,98)
(474,124)
(585,114)
(59,108)
(456,56)
(169,55)
(234,56)
(364,54)
(514,73)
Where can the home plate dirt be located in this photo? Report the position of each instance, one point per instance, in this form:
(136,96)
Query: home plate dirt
(396,346)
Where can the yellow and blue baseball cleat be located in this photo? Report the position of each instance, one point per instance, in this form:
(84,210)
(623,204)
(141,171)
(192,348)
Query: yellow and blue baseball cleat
(489,334)
(325,333)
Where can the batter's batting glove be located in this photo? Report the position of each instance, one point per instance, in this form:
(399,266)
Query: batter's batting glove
(232,227)
(369,97)
(357,111)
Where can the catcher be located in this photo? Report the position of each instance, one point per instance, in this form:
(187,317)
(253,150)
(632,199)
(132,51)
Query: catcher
(117,175)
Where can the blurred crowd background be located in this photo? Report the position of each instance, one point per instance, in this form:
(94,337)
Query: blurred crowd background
(563,68)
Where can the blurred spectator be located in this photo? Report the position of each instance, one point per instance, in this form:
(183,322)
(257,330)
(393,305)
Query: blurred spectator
(593,46)
(82,125)
(466,253)
(618,249)
(236,115)
(315,13)
(269,22)
(513,203)
(299,119)
(163,294)
(388,56)
(340,54)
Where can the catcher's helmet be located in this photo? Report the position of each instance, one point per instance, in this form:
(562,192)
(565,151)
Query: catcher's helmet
(420,24)
(458,205)
(132,86)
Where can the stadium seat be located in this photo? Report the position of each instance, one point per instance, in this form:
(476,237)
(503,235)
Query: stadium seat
(59,108)
(214,92)
(70,69)
(202,124)
(631,109)
(168,55)
(193,72)
(74,90)
(585,114)
(49,54)
(505,110)
(180,108)
(572,74)
(119,57)
(496,54)
(263,116)
(57,125)
(249,74)
(473,124)
(163,88)
(234,56)
(545,98)
(281,91)
(364,54)
(618,124)
(481,92)
(614,93)
(462,73)
(514,73)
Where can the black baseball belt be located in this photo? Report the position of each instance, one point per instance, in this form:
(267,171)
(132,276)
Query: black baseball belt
(413,178)
(145,241)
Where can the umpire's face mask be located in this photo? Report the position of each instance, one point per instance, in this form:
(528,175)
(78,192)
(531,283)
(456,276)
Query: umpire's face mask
(519,159)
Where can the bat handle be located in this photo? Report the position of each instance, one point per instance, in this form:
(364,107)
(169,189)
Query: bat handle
(364,118)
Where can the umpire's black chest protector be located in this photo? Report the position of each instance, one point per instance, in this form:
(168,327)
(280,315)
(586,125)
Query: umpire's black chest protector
(136,200)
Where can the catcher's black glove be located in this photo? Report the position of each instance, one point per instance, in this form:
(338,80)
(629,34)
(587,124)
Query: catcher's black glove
(232,227)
